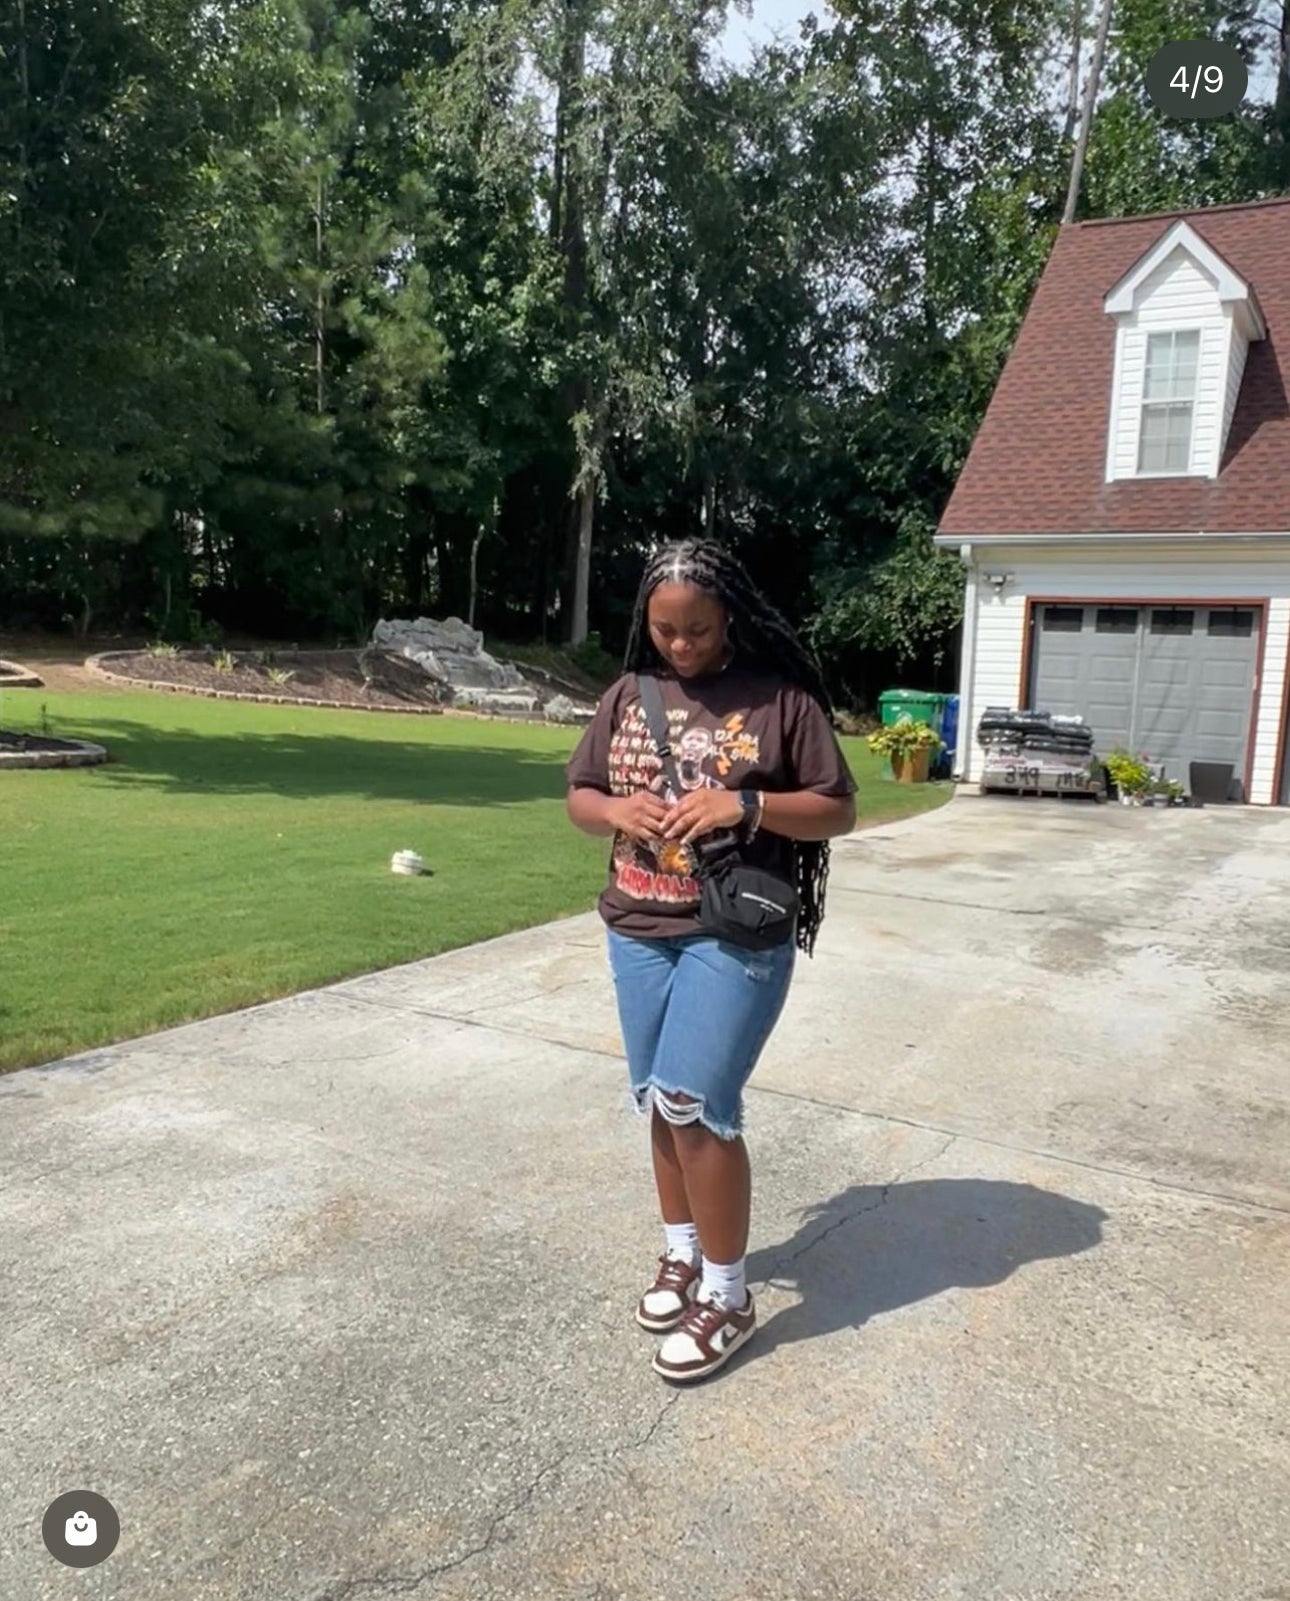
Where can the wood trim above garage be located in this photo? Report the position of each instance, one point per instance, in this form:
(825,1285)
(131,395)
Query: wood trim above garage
(1279,796)
(1139,602)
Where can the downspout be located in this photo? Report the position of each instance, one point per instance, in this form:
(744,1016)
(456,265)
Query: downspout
(967,669)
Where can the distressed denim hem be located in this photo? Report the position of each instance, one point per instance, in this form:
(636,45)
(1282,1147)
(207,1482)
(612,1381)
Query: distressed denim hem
(642,1102)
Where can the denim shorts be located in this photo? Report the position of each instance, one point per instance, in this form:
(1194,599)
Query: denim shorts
(696,1014)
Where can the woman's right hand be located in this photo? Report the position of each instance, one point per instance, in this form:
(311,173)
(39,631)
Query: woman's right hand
(640,816)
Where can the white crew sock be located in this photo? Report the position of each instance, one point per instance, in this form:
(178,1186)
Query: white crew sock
(683,1242)
(724,1283)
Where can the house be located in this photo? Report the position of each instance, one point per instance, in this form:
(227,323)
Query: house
(1124,513)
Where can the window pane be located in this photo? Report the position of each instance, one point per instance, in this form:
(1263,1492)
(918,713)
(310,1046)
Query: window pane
(1165,444)
(1186,356)
(1178,437)
(1063,619)
(1174,620)
(1171,366)
(1232,624)
(1159,367)
(1117,619)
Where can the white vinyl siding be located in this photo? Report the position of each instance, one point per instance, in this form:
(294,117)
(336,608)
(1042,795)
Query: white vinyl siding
(1000,640)
(1239,348)
(1177,298)
(1175,573)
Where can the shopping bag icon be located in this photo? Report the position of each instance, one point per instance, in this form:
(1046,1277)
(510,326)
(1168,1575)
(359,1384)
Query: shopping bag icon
(81,1529)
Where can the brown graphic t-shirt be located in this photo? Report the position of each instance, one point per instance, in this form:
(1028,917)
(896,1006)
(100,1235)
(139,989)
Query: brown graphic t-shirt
(730,730)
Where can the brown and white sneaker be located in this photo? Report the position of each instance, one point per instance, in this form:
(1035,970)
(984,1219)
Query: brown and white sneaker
(706,1336)
(664,1304)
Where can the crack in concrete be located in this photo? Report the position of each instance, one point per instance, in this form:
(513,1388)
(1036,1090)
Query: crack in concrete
(654,1427)
(508,1029)
(523,1000)
(785,1262)
(926,1161)
(1043,1153)
(394,1584)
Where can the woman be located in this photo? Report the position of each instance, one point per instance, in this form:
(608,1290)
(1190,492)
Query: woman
(755,755)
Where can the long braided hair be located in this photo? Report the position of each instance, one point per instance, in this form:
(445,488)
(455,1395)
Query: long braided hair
(766,641)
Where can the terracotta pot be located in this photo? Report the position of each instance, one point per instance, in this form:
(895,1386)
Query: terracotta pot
(912,769)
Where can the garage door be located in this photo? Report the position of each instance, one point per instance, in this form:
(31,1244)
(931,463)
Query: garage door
(1174,681)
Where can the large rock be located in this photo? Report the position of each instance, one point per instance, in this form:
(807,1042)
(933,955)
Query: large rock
(452,653)
(560,709)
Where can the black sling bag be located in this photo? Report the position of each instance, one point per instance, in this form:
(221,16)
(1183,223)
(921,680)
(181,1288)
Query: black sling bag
(743,905)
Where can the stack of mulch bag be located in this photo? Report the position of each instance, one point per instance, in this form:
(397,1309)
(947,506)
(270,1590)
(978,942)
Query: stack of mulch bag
(1036,750)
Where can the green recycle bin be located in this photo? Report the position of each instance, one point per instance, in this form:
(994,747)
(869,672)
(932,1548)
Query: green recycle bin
(919,706)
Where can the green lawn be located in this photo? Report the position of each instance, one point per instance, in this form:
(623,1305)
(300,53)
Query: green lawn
(230,853)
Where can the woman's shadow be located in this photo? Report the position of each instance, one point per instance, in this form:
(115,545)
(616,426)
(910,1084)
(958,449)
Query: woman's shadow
(876,1247)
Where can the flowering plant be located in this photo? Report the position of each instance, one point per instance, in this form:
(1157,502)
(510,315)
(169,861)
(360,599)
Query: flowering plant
(904,739)
(1131,775)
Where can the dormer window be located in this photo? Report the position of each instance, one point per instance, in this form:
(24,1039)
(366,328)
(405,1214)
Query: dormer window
(1184,319)
(1168,402)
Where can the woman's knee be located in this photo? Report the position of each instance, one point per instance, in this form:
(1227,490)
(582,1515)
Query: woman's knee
(684,1119)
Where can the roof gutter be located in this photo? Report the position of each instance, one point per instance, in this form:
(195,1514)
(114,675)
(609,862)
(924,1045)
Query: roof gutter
(960,541)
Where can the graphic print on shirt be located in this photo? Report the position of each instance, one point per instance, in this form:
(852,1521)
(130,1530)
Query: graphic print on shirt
(705,755)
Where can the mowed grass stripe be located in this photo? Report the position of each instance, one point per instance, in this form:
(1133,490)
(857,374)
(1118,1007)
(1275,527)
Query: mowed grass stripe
(230,854)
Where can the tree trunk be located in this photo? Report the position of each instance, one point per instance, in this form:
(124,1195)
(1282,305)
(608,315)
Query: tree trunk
(708,509)
(1086,121)
(1281,100)
(578,622)
(416,548)
(1072,88)
(320,307)
(929,216)
(569,200)
(543,598)
(569,233)
(480,534)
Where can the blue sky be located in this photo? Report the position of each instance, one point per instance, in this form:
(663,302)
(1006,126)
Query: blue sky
(769,18)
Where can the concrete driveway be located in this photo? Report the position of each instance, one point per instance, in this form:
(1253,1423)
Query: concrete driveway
(332,1298)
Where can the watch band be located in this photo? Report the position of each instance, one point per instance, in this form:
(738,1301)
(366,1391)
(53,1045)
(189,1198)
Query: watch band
(753,803)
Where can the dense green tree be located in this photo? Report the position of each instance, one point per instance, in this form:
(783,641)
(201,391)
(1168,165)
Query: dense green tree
(317,310)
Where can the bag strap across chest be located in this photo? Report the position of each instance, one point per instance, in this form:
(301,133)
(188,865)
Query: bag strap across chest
(656,718)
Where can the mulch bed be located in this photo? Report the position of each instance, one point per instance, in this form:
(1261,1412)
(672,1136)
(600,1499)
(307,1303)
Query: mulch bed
(32,742)
(320,675)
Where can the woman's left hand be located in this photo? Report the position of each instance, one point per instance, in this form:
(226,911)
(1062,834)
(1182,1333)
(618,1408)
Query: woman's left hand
(703,811)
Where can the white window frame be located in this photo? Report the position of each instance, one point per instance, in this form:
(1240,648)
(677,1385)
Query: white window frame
(1172,334)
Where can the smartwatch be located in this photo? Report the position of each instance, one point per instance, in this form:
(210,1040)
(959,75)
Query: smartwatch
(751,803)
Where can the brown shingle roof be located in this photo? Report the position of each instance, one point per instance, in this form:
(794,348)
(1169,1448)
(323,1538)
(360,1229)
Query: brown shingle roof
(1037,465)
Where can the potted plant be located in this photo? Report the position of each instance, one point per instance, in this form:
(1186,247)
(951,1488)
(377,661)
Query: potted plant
(908,746)
(1131,775)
